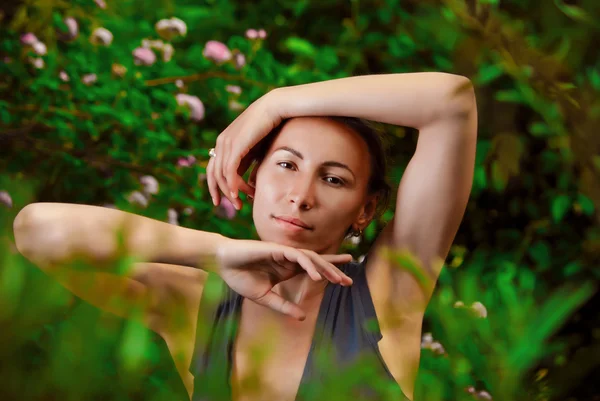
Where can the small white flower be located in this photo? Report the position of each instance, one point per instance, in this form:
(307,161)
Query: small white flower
(100,3)
(459,304)
(479,309)
(427,338)
(72,27)
(137,198)
(169,28)
(179,83)
(39,48)
(150,184)
(63,76)
(37,62)
(484,395)
(437,348)
(167,51)
(172,217)
(101,36)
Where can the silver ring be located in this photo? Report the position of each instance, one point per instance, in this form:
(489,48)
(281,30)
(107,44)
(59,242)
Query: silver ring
(212,153)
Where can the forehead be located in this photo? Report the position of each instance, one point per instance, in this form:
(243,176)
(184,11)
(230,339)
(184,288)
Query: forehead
(321,139)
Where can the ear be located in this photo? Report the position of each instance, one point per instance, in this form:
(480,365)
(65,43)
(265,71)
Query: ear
(367,212)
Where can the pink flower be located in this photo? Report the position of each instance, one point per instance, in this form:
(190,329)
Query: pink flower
(37,62)
(63,76)
(262,34)
(100,3)
(235,89)
(144,56)
(5,199)
(216,51)
(226,209)
(72,28)
(186,161)
(484,395)
(251,34)
(194,104)
(101,36)
(89,79)
(239,60)
(28,39)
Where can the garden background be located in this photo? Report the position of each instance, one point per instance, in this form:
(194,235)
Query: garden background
(116,103)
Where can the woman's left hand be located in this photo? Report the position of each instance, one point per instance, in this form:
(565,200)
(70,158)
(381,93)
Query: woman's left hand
(233,149)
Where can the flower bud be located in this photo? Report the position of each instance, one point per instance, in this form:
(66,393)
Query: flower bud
(484,395)
(100,3)
(37,62)
(28,39)
(479,309)
(167,51)
(262,34)
(239,60)
(39,48)
(72,29)
(63,76)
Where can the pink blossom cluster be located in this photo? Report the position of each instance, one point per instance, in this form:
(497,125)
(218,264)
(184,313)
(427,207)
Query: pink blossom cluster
(256,34)
(427,342)
(31,42)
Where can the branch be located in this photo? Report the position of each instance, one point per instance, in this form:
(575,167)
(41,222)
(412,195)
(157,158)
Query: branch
(204,76)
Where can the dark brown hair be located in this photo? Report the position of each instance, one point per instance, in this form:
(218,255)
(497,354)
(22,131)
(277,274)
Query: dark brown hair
(378,183)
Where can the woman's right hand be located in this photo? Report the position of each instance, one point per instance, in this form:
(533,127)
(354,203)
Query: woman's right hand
(252,268)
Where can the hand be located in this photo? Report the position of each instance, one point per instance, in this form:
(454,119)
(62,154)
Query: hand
(233,149)
(252,268)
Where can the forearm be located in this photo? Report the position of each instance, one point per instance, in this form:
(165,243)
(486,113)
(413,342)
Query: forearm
(52,233)
(411,99)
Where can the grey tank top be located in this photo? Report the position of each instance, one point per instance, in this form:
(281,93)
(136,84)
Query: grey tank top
(345,339)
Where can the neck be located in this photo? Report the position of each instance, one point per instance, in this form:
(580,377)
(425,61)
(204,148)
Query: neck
(302,290)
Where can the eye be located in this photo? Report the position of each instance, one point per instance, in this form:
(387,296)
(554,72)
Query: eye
(338,182)
(288,163)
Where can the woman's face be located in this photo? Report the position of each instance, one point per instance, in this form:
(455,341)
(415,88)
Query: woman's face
(317,171)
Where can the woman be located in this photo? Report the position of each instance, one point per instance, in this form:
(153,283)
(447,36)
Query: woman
(316,179)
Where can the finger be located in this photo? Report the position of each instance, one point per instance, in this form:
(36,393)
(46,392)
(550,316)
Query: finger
(212,182)
(277,303)
(338,258)
(329,269)
(231,170)
(308,265)
(219,159)
(246,188)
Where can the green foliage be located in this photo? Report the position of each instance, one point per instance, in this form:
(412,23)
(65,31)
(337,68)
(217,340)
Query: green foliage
(528,246)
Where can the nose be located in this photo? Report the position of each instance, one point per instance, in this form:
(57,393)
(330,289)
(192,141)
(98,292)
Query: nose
(302,193)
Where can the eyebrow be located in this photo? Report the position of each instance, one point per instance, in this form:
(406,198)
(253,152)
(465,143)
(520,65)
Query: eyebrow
(329,163)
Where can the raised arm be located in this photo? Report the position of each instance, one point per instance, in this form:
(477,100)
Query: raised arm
(435,187)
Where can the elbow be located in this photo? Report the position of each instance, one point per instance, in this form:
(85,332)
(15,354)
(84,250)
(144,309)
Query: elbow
(462,96)
(35,233)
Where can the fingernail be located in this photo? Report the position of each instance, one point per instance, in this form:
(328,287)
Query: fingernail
(214,201)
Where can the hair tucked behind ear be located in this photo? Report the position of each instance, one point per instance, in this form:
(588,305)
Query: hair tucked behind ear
(372,136)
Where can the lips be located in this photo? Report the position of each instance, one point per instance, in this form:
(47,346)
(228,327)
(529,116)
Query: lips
(294,221)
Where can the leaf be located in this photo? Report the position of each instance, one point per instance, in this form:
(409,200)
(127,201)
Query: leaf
(540,253)
(587,206)
(574,12)
(509,96)
(560,205)
(300,47)
(489,73)
(499,176)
